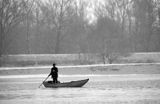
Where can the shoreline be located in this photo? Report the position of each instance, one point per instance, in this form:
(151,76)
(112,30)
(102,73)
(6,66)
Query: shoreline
(76,66)
(79,75)
(140,68)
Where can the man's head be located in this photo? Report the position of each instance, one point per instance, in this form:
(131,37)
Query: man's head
(54,64)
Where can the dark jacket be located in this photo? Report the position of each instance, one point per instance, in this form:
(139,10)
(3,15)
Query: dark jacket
(54,72)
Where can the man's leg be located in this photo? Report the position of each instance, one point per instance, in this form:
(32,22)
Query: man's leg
(53,80)
(57,79)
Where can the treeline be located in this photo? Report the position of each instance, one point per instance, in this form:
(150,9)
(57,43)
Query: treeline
(79,26)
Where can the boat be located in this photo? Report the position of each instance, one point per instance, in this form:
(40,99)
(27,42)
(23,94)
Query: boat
(78,83)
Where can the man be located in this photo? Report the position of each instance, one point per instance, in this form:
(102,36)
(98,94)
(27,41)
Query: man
(54,73)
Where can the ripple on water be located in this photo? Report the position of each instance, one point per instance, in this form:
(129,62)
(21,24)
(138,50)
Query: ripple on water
(100,90)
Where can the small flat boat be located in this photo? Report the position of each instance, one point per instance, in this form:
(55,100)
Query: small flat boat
(78,83)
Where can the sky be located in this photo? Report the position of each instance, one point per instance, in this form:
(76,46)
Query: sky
(90,9)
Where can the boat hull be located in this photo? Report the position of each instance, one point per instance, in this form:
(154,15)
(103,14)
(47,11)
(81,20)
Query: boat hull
(78,83)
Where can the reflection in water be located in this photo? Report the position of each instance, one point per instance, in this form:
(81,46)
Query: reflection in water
(100,89)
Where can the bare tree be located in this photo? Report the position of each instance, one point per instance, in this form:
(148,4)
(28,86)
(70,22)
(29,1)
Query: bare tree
(111,24)
(56,13)
(28,8)
(144,19)
(11,14)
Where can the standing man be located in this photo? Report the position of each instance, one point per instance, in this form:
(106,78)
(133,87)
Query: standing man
(54,73)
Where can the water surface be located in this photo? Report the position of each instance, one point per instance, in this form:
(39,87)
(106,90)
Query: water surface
(110,89)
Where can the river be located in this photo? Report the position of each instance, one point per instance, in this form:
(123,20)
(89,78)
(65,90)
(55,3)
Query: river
(101,89)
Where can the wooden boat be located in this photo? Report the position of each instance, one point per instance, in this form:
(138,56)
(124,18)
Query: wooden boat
(78,83)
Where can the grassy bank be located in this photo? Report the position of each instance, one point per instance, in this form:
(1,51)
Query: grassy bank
(75,59)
